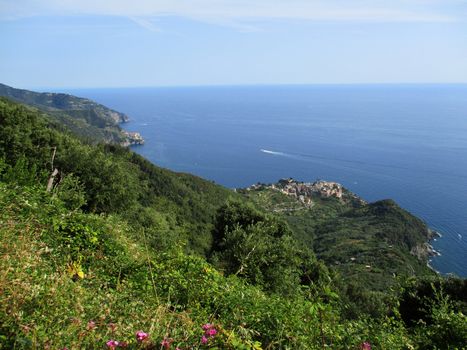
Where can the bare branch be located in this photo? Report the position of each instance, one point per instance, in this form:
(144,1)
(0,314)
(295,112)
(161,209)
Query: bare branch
(53,158)
(50,183)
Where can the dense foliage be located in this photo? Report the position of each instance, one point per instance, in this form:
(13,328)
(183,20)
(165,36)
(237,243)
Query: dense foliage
(114,180)
(87,119)
(370,246)
(261,249)
(103,258)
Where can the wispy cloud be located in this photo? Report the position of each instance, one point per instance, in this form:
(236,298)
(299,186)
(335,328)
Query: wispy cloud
(145,23)
(242,13)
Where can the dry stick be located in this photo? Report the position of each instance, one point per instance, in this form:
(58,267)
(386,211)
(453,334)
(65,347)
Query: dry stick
(50,183)
(53,158)
(242,266)
(51,180)
(246,259)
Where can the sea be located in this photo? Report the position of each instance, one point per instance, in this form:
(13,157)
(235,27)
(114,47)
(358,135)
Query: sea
(405,142)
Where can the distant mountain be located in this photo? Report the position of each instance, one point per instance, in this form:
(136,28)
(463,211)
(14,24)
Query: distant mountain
(83,117)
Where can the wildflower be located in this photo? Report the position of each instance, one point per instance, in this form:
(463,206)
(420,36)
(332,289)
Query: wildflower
(366,346)
(211,332)
(112,344)
(207,326)
(91,325)
(141,336)
(166,343)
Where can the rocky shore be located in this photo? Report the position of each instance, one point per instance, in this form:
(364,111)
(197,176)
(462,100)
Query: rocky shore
(424,251)
(132,139)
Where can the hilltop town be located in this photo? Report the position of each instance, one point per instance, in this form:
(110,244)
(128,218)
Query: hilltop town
(306,192)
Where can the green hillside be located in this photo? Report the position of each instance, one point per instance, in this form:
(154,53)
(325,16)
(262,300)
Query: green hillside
(85,118)
(113,179)
(375,241)
(100,246)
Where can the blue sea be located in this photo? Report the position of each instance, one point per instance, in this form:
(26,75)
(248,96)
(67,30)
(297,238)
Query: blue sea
(406,142)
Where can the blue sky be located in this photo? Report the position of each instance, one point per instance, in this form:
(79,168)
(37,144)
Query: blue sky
(122,43)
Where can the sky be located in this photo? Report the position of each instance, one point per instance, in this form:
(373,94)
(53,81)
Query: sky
(137,43)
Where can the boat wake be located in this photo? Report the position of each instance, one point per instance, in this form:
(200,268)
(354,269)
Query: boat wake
(274,152)
(353,163)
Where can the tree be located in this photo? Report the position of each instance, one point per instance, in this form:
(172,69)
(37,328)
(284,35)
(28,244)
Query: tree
(257,247)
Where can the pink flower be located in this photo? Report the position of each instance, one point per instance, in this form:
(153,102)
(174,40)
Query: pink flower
(141,336)
(112,344)
(211,332)
(207,326)
(366,346)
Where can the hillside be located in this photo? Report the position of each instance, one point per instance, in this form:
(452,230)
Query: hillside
(117,245)
(114,179)
(372,243)
(84,117)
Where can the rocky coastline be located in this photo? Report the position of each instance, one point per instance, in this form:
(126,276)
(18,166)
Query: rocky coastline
(132,139)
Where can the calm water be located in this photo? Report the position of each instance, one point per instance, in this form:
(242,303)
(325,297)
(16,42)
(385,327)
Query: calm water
(408,143)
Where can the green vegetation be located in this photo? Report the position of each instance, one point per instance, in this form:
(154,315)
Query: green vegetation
(89,120)
(119,246)
(369,246)
(379,234)
(113,179)
(260,248)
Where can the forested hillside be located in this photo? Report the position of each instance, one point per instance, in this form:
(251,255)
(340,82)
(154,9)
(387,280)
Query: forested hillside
(87,119)
(102,249)
(370,245)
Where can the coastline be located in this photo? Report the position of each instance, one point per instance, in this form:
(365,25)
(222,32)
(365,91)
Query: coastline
(433,253)
(437,244)
(131,138)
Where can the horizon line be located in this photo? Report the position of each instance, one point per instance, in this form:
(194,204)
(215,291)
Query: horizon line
(163,86)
